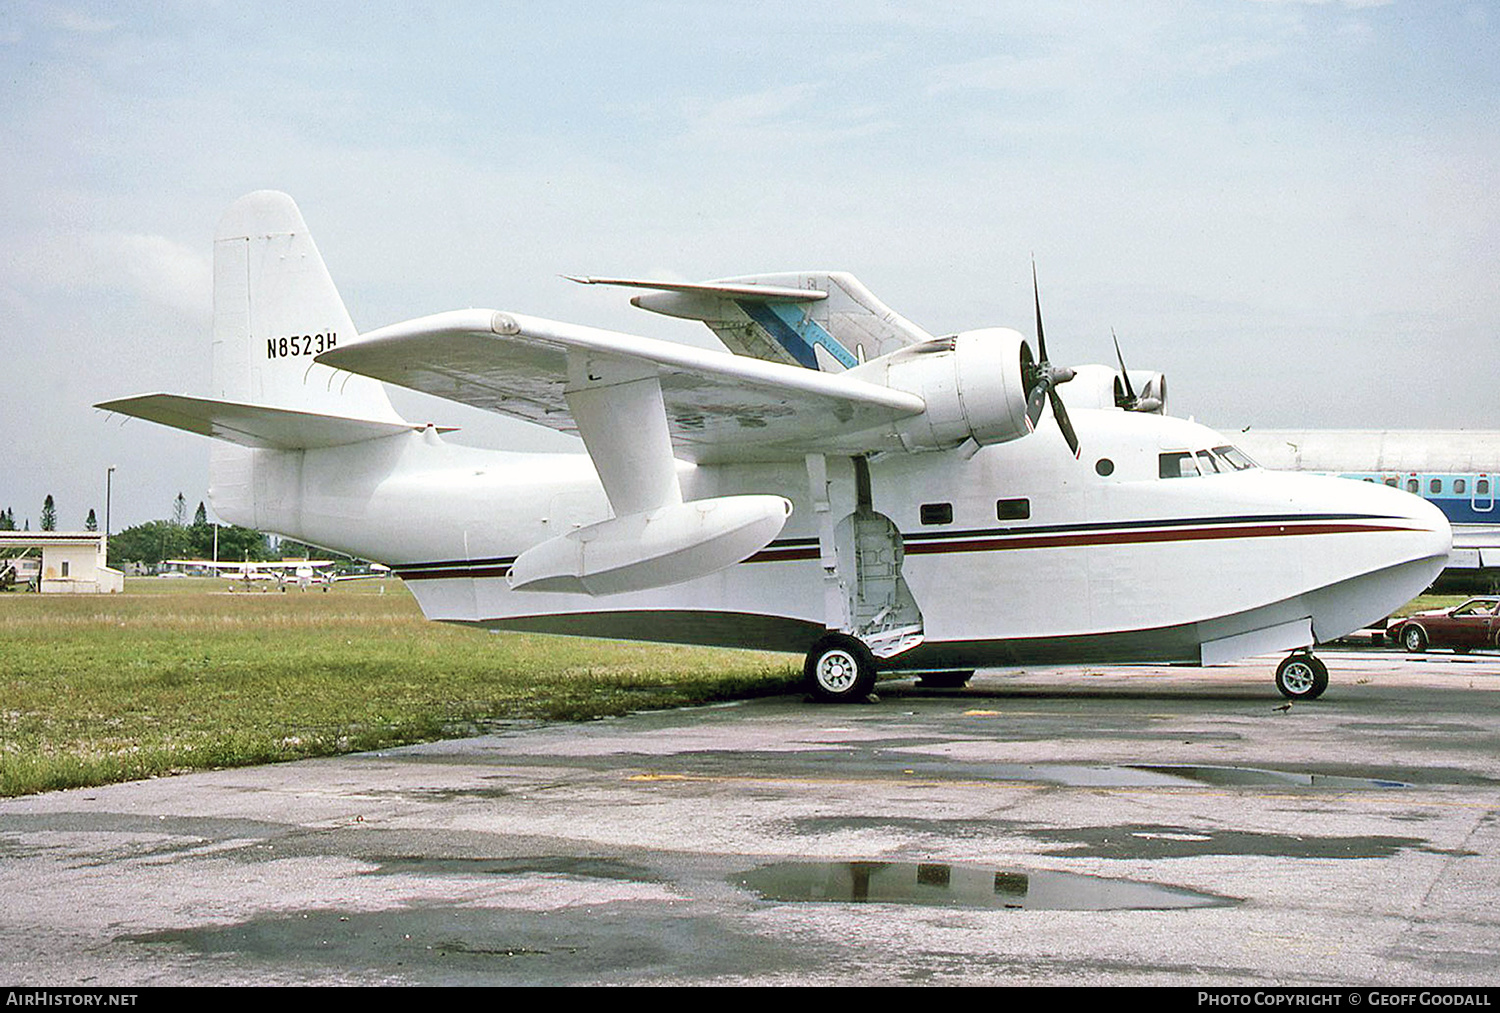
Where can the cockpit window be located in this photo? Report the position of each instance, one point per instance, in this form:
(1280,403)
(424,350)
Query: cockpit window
(1207,464)
(1178,464)
(1235,458)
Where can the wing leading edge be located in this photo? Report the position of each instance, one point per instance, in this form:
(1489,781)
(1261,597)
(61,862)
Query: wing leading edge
(718,406)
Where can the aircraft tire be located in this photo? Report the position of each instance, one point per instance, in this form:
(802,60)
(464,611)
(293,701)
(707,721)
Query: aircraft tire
(1301,677)
(839,669)
(1414,639)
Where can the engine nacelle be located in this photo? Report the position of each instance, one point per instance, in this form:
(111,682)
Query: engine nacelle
(1096,386)
(972,383)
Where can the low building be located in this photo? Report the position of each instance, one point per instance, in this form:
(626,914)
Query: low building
(72,561)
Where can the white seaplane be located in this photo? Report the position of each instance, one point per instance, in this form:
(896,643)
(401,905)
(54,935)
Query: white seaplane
(882,499)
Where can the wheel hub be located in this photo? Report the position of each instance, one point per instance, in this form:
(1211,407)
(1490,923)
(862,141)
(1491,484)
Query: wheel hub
(836,671)
(1298,677)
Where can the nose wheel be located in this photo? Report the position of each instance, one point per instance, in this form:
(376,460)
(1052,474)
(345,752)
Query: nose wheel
(1302,677)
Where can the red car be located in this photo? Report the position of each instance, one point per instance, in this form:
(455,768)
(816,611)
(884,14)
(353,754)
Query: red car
(1473,624)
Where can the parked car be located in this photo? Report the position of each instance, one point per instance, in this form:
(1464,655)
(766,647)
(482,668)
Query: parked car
(1473,624)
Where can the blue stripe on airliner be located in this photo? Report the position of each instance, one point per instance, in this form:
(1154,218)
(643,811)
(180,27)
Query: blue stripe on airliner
(790,328)
(1474,505)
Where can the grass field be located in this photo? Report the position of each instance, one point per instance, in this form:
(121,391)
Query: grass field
(177,675)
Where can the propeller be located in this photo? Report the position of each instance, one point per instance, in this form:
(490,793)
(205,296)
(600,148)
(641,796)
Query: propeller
(1128,399)
(1041,378)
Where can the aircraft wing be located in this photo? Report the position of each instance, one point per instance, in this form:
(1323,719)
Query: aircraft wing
(823,320)
(719,406)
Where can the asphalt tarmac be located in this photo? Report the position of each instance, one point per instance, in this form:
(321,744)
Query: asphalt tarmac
(1144,826)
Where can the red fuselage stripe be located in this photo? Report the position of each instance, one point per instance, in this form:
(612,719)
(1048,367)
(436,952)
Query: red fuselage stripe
(1052,541)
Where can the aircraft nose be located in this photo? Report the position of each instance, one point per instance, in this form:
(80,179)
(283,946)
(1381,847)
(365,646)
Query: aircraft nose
(1435,534)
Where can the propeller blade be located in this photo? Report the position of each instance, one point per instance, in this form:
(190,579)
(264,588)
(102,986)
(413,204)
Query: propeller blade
(1036,292)
(1124,373)
(1034,402)
(1061,414)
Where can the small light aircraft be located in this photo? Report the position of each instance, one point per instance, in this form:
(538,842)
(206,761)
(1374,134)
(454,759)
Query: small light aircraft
(881,499)
(306,572)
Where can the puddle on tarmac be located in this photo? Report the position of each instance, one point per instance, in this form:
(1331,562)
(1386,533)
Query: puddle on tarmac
(941,885)
(1156,775)
(1221,776)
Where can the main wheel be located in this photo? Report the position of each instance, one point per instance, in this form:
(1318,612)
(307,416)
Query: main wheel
(1414,639)
(1302,677)
(839,669)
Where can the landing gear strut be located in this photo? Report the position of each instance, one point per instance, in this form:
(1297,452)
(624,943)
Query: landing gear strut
(839,669)
(1302,677)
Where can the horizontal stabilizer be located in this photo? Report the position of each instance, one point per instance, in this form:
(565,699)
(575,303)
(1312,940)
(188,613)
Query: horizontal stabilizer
(718,406)
(250,425)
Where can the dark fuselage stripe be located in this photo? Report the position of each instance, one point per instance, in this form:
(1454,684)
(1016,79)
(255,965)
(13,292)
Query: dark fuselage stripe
(924,543)
(776,554)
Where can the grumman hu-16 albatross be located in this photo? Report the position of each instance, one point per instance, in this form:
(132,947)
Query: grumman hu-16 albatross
(891,502)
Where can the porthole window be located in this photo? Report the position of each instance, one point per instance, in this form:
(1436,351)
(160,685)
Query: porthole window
(1459,486)
(937,513)
(1412,485)
(1435,486)
(1482,487)
(1013,509)
(1104,466)
(1391,482)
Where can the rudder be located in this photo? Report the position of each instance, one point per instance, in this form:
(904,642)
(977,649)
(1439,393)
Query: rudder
(275,308)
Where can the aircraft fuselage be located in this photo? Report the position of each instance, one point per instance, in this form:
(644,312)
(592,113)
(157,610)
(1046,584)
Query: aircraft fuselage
(1016,553)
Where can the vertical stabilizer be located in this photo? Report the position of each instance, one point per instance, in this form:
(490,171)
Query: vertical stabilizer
(275,308)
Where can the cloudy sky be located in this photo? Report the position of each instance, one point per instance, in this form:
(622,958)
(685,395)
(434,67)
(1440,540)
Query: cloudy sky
(1288,207)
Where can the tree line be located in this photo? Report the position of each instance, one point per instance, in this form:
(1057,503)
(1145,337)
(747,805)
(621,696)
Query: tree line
(155,541)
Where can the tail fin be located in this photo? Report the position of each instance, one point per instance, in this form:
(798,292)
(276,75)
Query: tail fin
(275,308)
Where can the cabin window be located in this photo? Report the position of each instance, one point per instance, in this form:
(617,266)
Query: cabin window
(1412,485)
(1235,458)
(1391,481)
(1178,464)
(1013,509)
(1459,485)
(1104,467)
(1435,486)
(1482,487)
(937,513)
